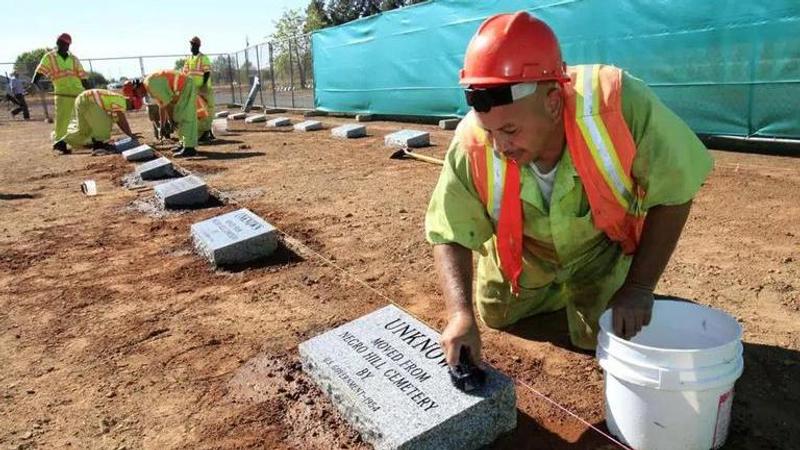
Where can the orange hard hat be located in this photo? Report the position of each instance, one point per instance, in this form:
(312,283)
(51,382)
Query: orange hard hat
(65,38)
(512,48)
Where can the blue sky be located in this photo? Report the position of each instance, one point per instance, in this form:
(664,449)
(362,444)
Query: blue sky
(137,27)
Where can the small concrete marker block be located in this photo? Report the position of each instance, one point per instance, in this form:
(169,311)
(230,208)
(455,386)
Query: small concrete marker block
(156,169)
(407,138)
(279,122)
(363,117)
(183,192)
(387,374)
(274,111)
(125,144)
(350,131)
(449,124)
(237,237)
(237,116)
(256,118)
(222,114)
(308,125)
(139,153)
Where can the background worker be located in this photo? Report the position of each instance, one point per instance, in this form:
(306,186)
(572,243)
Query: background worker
(198,68)
(176,97)
(68,77)
(573,185)
(96,110)
(16,93)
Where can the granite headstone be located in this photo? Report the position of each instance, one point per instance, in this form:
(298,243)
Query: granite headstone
(279,122)
(407,138)
(350,130)
(386,372)
(139,153)
(184,192)
(449,124)
(237,237)
(126,143)
(155,169)
(237,116)
(222,114)
(256,118)
(308,125)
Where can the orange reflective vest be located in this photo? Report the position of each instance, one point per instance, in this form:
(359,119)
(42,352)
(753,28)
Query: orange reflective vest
(602,150)
(201,106)
(108,101)
(56,72)
(176,81)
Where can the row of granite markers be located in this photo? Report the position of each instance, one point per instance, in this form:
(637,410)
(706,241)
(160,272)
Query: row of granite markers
(237,237)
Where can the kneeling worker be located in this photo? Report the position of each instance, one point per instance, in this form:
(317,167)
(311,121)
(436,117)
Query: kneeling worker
(95,111)
(572,183)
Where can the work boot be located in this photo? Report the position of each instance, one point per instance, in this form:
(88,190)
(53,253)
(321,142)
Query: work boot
(207,137)
(101,148)
(186,152)
(177,149)
(61,146)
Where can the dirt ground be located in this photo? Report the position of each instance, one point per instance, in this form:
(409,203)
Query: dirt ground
(113,334)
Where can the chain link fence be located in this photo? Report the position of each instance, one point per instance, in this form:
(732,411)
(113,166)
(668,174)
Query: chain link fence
(283,69)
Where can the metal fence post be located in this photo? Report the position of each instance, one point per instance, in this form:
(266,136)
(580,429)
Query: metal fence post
(141,66)
(260,77)
(272,76)
(239,79)
(291,73)
(91,70)
(230,79)
(246,73)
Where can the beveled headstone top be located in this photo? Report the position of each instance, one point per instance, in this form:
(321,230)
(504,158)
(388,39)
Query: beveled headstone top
(256,118)
(186,191)
(308,125)
(387,374)
(237,116)
(125,144)
(279,122)
(407,138)
(155,169)
(237,237)
(139,153)
(222,114)
(449,124)
(349,130)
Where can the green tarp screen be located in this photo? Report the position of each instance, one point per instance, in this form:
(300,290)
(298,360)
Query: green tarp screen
(727,67)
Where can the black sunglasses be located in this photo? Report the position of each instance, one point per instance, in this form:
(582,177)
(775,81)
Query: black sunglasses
(483,99)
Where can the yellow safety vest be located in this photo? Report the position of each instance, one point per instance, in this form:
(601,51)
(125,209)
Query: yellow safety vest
(65,73)
(108,101)
(602,150)
(196,66)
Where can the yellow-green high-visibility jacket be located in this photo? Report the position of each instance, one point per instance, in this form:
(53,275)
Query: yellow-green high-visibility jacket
(109,101)
(196,66)
(570,263)
(65,73)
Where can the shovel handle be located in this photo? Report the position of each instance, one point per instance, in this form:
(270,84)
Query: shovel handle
(424,158)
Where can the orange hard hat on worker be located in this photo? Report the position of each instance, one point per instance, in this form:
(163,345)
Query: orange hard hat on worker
(512,48)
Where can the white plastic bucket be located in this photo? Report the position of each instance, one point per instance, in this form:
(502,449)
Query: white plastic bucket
(219,127)
(671,386)
(89,187)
